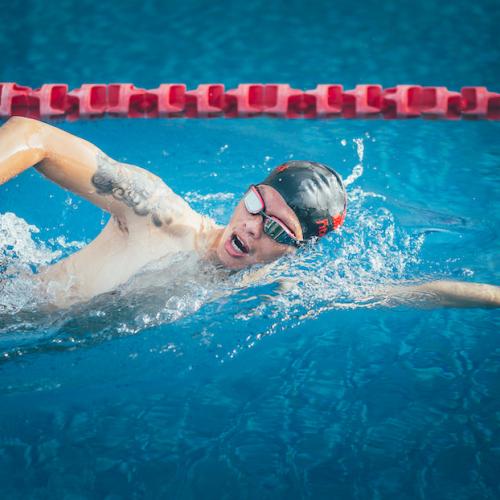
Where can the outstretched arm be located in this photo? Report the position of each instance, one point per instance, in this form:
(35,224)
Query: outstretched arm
(79,166)
(445,294)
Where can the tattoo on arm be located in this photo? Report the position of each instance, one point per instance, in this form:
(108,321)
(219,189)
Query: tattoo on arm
(144,193)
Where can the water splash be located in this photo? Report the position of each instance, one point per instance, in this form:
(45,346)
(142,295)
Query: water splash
(218,206)
(18,249)
(20,256)
(357,171)
(342,271)
(22,253)
(346,268)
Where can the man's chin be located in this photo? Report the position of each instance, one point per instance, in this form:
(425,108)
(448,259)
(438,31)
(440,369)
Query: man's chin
(231,262)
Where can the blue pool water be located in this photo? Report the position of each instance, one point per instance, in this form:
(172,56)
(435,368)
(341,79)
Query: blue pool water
(209,390)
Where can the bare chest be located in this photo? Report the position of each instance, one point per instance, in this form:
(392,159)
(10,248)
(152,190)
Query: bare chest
(112,258)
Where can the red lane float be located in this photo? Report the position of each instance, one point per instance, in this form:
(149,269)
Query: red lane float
(55,101)
(402,101)
(171,99)
(89,101)
(205,101)
(244,101)
(327,100)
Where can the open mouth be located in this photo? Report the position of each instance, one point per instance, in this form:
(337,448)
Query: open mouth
(238,246)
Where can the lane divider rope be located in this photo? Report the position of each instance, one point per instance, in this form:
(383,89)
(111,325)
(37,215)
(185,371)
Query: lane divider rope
(170,100)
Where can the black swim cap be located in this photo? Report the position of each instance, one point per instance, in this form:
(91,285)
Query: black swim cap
(314,192)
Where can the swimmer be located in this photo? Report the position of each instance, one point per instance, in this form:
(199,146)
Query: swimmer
(298,202)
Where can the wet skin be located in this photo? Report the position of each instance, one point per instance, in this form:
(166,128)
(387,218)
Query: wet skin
(149,221)
(249,230)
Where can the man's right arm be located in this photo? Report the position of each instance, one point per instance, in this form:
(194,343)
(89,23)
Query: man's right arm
(21,146)
(79,166)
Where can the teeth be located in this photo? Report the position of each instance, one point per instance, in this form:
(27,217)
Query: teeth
(236,247)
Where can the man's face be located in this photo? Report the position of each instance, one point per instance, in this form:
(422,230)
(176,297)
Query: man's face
(244,241)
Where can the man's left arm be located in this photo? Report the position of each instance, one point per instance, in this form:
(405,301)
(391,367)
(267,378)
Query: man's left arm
(445,294)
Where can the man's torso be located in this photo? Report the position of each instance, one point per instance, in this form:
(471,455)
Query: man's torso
(121,250)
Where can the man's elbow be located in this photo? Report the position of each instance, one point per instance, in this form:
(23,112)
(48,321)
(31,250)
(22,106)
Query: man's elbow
(21,122)
(33,133)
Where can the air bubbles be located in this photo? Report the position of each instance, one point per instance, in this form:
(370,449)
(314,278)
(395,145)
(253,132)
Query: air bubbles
(72,203)
(223,149)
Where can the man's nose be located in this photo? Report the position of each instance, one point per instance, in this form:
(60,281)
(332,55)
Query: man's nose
(254,226)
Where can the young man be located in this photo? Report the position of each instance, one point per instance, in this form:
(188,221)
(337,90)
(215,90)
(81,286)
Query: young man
(298,201)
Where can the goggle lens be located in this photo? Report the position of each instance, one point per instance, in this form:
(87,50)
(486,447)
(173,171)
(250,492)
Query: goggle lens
(273,227)
(253,201)
(278,232)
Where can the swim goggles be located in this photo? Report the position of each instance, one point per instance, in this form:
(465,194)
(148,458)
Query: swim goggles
(273,227)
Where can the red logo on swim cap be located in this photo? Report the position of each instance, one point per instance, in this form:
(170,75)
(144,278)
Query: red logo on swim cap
(338,220)
(281,168)
(323,227)
(324,224)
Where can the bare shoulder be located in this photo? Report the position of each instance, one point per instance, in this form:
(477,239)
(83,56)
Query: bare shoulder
(143,193)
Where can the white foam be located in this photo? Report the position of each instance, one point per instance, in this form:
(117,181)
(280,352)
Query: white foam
(357,171)
(194,196)
(22,253)
(341,271)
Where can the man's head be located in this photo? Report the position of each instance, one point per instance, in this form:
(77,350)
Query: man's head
(299,201)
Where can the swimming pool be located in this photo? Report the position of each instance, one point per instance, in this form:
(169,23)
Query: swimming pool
(259,393)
